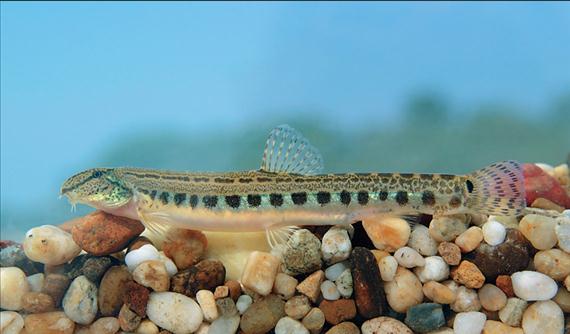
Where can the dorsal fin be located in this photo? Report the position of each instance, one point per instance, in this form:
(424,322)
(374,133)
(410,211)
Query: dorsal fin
(287,151)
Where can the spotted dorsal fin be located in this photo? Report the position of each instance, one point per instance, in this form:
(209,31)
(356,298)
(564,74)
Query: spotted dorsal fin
(287,151)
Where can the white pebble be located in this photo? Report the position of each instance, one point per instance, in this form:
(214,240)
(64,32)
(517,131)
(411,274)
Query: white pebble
(287,325)
(388,266)
(334,271)
(208,304)
(469,323)
(168,263)
(139,255)
(329,290)
(543,317)
(49,244)
(563,231)
(36,282)
(344,284)
(532,285)
(336,245)
(224,325)
(243,303)
(147,327)
(285,285)
(80,301)
(11,322)
(421,241)
(408,257)
(13,286)
(174,312)
(435,269)
(494,233)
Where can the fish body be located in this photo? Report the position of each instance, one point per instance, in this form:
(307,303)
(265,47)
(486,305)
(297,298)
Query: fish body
(286,191)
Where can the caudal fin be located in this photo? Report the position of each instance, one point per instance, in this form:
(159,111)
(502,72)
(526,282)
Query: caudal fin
(497,189)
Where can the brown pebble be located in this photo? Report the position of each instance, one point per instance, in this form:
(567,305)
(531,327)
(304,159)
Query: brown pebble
(112,289)
(368,289)
(48,323)
(37,302)
(344,328)
(468,274)
(235,289)
(262,315)
(221,291)
(504,283)
(337,311)
(543,203)
(136,297)
(205,275)
(138,243)
(185,247)
(56,285)
(311,286)
(450,252)
(128,319)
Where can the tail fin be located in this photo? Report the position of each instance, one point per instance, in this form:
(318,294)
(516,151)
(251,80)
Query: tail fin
(497,189)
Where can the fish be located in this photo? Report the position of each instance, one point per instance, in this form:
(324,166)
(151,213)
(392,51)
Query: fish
(289,190)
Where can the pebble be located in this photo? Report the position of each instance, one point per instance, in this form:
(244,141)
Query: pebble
(492,298)
(36,281)
(539,230)
(543,317)
(425,317)
(105,325)
(422,242)
(336,245)
(56,285)
(224,325)
(138,242)
(262,315)
(543,203)
(538,183)
(303,253)
(49,244)
(174,312)
(311,286)
(226,307)
(259,272)
(469,323)
(497,327)
(344,328)
(450,252)
(234,288)
(152,274)
(466,300)
(37,302)
(243,303)
(49,323)
(562,231)
(387,266)
(554,263)
(345,284)
(408,257)
(337,311)
(135,296)
(221,291)
(185,247)
(532,285)
(205,275)
(208,304)
(314,320)
(147,327)
(297,307)
(203,329)
(80,301)
(511,314)
(288,325)
(128,319)
(11,322)
(468,274)
(504,259)
(100,233)
(562,298)
(447,228)
(385,325)
(112,289)
(329,290)
(368,291)
(387,233)
(334,271)
(494,233)
(285,285)
(567,282)
(404,291)
(13,256)
(470,239)
(92,267)
(13,286)
(504,283)
(137,256)
(435,269)
(171,268)
(438,293)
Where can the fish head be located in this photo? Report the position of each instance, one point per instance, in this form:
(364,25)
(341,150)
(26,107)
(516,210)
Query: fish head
(97,187)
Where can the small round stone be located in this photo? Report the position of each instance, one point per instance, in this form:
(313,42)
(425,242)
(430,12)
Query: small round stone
(539,230)
(174,312)
(531,286)
(185,247)
(468,274)
(346,327)
(337,311)
(80,301)
(554,263)
(470,239)
(152,274)
(387,234)
(345,284)
(562,298)
(223,325)
(128,319)
(144,253)
(387,266)
(469,322)
(494,233)
(497,327)
(297,307)
(314,320)
(492,298)
(262,315)
(438,293)
(112,289)
(562,231)
(435,269)
(13,286)
(334,271)
(447,228)
(208,304)
(329,290)
(303,254)
(404,291)
(147,327)
(11,322)
(421,241)
(336,245)
(466,300)
(49,244)
(543,317)
(408,257)
(243,303)
(384,325)
(37,323)
(511,314)
(105,325)
(288,325)
(284,285)
(259,272)
(450,252)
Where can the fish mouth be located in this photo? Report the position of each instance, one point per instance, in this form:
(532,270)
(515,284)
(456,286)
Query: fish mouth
(71,198)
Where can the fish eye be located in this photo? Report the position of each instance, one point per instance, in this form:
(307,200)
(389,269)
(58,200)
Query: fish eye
(97,174)
(469,185)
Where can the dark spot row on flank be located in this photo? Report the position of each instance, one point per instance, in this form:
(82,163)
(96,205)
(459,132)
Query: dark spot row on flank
(299,198)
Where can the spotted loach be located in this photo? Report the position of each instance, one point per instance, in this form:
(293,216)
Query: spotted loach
(289,191)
